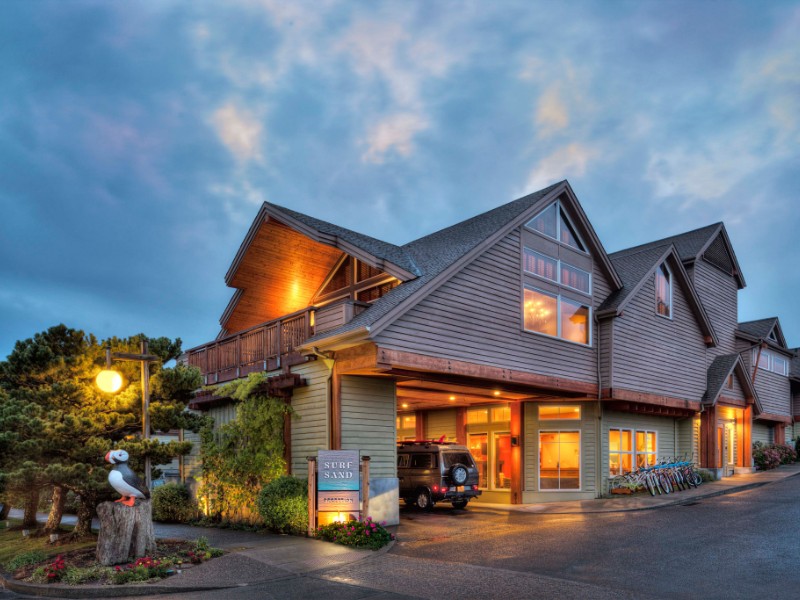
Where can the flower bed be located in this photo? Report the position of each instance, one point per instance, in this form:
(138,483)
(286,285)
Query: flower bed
(359,534)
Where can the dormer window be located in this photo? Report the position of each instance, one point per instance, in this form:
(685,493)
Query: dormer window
(664,291)
(554,223)
(772,336)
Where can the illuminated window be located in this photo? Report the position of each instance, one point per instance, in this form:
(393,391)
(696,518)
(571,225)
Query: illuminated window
(477,416)
(541,265)
(501,414)
(645,448)
(542,310)
(554,223)
(620,451)
(478,448)
(559,460)
(664,291)
(502,461)
(555,412)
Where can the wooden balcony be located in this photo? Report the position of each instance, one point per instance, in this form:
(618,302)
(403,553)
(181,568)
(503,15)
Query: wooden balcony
(265,347)
(259,348)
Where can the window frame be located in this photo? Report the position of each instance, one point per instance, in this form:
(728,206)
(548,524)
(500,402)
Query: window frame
(670,286)
(560,214)
(767,362)
(634,452)
(539,461)
(559,264)
(558,297)
(620,452)
(559,417)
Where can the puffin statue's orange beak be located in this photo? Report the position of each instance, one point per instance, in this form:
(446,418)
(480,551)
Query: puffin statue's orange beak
(107,455)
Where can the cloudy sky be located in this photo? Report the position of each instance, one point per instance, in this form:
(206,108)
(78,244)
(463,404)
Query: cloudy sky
(137,140)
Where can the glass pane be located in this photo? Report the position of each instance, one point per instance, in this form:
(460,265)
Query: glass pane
(545,221)
(548,461)
(627,440)
(409,421)
(541,312)
(613,440)
(627,462)
(478,416)
(501,414)
(568,235)
(575,278)
(548,413)
(559,460)
(663,291)
(541,265)
(574,321)
(502,461)
(477,446)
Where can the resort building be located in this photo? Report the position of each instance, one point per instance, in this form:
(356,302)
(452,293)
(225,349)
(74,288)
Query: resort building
(513,332)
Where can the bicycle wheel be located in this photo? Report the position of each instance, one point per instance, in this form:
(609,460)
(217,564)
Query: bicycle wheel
(651,487)
(664,481)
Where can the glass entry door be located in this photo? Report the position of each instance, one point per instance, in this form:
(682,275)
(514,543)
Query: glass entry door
(559,460)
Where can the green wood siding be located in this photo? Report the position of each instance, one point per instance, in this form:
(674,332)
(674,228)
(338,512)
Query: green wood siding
(368,422)
(310,424)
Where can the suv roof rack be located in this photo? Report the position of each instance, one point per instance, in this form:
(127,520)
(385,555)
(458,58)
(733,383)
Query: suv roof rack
(425,442)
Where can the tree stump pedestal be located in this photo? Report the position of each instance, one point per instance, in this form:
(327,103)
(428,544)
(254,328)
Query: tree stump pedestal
(126,532)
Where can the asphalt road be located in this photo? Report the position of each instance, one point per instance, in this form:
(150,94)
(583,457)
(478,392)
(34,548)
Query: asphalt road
(743,545)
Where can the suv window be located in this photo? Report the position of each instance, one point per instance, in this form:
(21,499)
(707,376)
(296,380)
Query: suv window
(422,461)
(454,458)
(402,460)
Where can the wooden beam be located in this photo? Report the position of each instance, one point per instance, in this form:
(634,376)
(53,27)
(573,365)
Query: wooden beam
(517,471)
(708,438)
(393,360)
(610,394)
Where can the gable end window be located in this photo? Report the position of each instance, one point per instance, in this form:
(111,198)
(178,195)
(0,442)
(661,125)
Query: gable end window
(556,316)
(771,361)
(554,223)
(664,291)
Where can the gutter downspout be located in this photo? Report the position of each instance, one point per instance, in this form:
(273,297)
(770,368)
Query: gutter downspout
(330,362)
(599,424)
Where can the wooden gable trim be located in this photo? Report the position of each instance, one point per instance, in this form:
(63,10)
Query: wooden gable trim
(785,419)
(751,397)
(409,362)
(229,309)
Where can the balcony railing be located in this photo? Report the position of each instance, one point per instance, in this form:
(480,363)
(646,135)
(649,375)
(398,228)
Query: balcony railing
(256,349)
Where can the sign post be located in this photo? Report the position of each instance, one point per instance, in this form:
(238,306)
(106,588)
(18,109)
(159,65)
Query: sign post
(338,485)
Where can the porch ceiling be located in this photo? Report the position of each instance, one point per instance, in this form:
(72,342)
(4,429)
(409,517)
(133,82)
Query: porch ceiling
(415,394)
(279,274)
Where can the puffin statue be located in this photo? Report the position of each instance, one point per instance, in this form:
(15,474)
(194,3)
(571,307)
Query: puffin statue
(124,480)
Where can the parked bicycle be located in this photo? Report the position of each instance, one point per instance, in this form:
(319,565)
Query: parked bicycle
(670,475)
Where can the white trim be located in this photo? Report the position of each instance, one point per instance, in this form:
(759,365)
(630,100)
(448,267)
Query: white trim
(671,285)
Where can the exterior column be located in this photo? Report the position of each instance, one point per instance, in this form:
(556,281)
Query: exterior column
(780,433)
(747,436)
(419,424)
(336,409)
(461,425)
(708,438)
(516,453)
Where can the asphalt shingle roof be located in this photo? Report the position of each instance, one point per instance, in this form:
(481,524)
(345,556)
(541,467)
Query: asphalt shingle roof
(717,374)
(687,244)
(759,329)
(434,253)
(631,267)
(378,248)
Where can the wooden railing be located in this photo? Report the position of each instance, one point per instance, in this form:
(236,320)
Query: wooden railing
(256,349)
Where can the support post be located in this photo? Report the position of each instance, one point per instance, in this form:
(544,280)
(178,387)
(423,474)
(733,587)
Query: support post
(516,452)
(148,477)
(312,495)
(461,425)
(364,487)
(419,425)
(708,438)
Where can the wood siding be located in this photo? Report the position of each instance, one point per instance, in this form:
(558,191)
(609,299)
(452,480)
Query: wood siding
(667,436)
(476,316)
(310,427)
(655,355)
(762,433)
(589,447)
(440,423)
(688,439)
(773,390)
(368,422)
(719,294)
(222,414)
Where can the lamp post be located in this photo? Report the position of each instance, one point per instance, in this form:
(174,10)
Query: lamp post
(110,381)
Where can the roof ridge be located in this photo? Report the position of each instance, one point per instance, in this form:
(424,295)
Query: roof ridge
(668,239)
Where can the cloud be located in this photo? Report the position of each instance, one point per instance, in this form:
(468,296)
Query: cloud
(570,161)
(551,112)
(393,133)
(240,131)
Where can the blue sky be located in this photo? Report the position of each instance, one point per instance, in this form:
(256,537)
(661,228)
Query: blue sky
(137,140)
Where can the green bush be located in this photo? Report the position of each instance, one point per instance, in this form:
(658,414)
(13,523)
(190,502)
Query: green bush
(79,575)
(360,534)
(283,504)
(26,558)
(172,503)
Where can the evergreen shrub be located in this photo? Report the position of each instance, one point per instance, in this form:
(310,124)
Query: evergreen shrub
(172,503)
(283,504)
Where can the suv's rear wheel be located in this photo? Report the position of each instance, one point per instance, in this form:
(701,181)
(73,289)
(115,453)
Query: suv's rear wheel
(460,503)
(424,500)
(459,474)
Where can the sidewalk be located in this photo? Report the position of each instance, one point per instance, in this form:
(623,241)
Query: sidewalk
(254,559)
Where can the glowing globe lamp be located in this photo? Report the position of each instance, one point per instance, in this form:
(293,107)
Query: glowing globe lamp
(109,381)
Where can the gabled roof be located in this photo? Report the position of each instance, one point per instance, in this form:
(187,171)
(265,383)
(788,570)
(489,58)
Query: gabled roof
(442,253)
(691,246)
(718,373)
(761,328)
(383,255)
(634,268)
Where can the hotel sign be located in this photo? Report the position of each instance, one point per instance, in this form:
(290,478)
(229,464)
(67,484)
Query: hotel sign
(338,481)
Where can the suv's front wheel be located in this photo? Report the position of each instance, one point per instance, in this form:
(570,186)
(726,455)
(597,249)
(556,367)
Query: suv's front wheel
(424,500)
